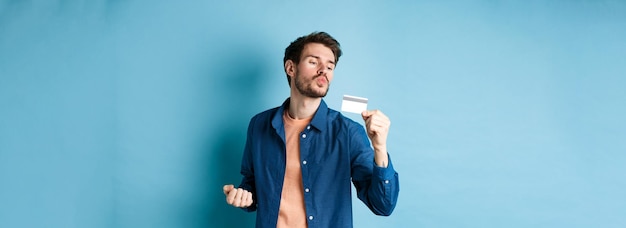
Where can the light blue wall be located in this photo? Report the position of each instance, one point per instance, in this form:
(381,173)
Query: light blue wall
(133,113)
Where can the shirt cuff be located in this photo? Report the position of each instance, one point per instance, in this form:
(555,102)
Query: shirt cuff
(385,174)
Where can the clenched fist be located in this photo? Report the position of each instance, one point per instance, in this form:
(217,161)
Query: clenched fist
(377,127)
(238,197)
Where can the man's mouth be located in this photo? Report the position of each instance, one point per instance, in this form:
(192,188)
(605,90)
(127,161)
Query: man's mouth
(321,79)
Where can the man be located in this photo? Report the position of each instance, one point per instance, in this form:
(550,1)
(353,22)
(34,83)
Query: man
(299,158)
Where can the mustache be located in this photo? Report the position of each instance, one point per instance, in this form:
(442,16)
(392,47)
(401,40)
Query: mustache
(319,75)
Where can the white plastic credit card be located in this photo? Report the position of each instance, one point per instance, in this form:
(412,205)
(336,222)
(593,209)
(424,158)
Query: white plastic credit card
(353,104)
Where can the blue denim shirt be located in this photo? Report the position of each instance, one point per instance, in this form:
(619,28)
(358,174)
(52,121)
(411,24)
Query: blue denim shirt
(333,150)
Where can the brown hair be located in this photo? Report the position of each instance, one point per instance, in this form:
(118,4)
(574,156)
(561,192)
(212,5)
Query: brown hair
(294,50)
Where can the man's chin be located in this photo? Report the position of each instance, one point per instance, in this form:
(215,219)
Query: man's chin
(310,92)
(315,95)
(322,94)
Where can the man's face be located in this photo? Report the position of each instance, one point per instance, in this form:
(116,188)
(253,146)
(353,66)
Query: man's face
(315,71)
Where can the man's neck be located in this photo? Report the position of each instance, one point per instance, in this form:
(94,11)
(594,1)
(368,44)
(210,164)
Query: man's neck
(302,107)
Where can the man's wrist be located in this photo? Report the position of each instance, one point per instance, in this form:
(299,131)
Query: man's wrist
(381,157)
(380,149)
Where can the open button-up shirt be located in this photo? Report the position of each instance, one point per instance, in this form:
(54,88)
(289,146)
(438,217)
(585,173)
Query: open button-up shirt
(334,150)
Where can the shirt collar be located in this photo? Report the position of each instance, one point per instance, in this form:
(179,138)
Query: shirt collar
(318,121)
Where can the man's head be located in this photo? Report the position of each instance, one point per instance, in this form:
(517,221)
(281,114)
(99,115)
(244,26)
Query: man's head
(319,53)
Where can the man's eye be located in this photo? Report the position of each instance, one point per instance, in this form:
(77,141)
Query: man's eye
(313,62)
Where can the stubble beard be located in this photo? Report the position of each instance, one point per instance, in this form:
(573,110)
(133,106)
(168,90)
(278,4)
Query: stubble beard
(306,87)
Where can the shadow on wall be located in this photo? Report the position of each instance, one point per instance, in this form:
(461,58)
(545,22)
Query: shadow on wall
(237,94)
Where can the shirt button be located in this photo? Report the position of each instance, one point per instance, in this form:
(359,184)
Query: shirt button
(308,127)
(386,181)
(304,136)
(304,162)
(311,217)
(306,189)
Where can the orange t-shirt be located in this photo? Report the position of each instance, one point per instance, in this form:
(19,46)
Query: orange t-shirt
(292,212)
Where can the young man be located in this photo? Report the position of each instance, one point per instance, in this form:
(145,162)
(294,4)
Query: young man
(300,157)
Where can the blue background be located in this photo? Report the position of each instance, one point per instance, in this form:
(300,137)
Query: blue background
(134,113)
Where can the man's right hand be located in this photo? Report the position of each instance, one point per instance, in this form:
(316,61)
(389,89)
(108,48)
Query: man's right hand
(238,197)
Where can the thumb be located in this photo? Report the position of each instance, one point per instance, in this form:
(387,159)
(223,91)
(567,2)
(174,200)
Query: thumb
(365,114)
(227,188)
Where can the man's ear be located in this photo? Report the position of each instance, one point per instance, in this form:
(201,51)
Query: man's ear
(290,68)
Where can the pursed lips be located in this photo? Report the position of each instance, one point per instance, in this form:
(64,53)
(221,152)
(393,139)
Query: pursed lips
(316,78)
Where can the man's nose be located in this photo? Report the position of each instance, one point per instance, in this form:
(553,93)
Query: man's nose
(321,70)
